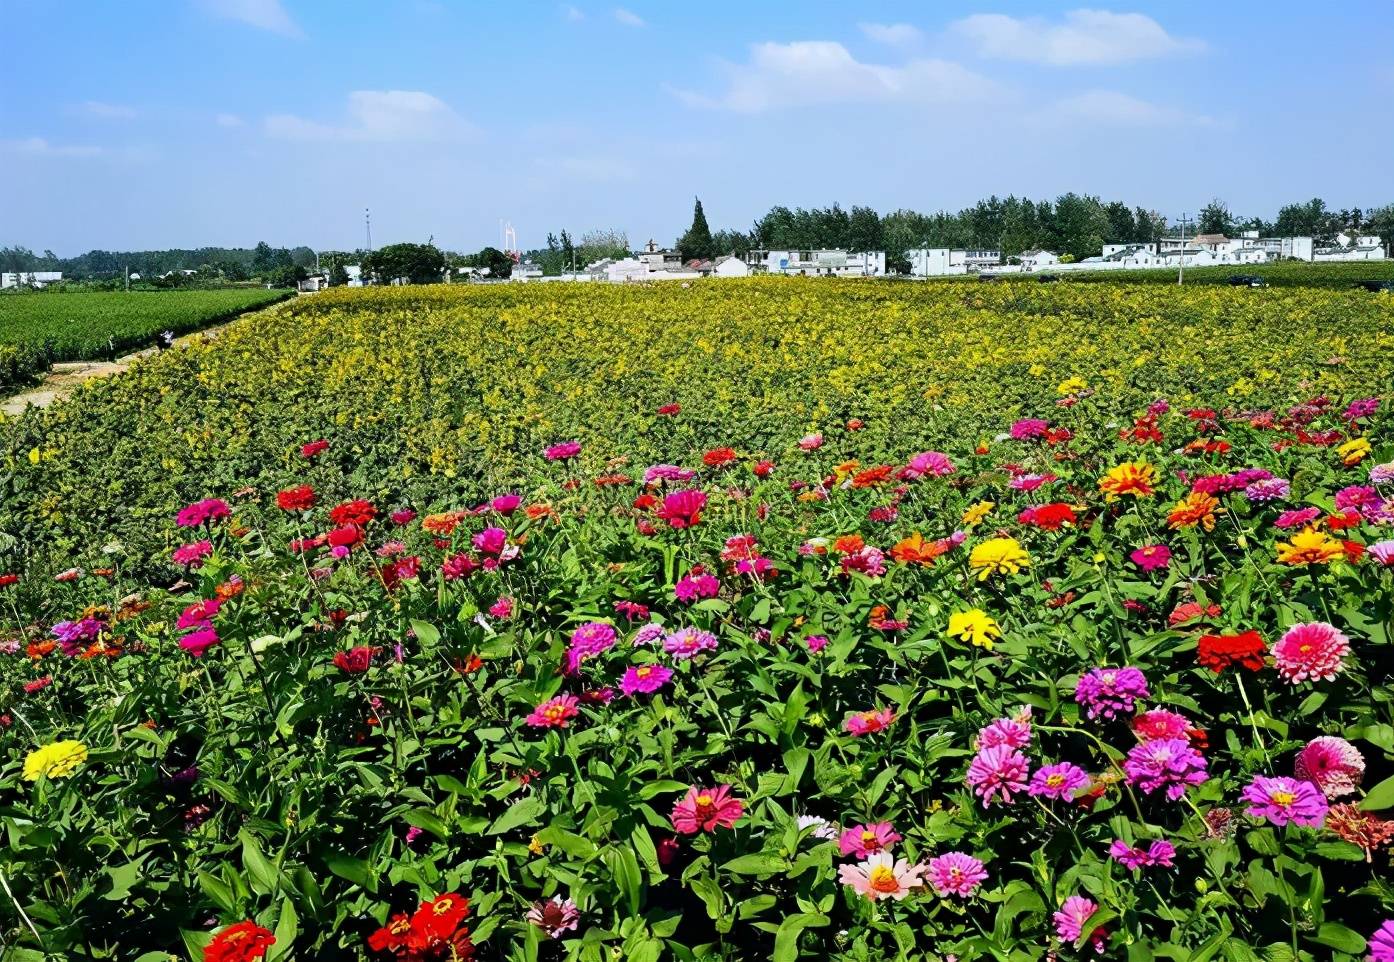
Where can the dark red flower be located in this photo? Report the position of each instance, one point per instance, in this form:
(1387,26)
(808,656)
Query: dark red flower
(357,513)
(355,661)
(346,537)
(669,409)
(1218,652)
(8,579)
(299,498)
(314,448)
(239,942)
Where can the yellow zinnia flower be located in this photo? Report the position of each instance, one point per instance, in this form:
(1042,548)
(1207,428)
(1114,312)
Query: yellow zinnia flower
(1131,477)
(1310,547)
(978,511)
(1072,385)
(58,760)
(1353,451)
(998,556)
(975,626)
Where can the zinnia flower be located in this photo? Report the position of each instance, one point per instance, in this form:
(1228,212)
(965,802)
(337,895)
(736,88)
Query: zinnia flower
(998,556)
(1160,852)
(1012,732)
(1281,800)
(355,661)
(1111,691)
(706,809)
(1160,723)
(239,942)
(1166,763)
(882,877)
(1196,508)
(1365,829)
(1310,547)
(974,626)
(1071,919)
(644,678)
(1382,943)
(1135,478)
(1332,764)
(998,771)
(554,916)
(54,760)
(1059,781)
(1311,652)
(554,712)
(198,642)
(955,873)
(1353,451)
(1218,652)
(1048,517)
(683,509)
(866,840)
(299,498)
(869,722)
(688,643)
(562,452)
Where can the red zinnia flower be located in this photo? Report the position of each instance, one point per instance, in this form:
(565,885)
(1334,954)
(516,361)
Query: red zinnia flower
(668,409)
(355,661)
(300,498)
(239,942)
(357,513)
(718,457)
(1048,517)
(1218,652)
(314,448)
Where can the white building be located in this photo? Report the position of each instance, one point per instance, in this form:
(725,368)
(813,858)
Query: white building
(942,261)
(827,262)
(1363,247)
(30,279)
(1034,260)
(528,271)
(313,283)
(729,265)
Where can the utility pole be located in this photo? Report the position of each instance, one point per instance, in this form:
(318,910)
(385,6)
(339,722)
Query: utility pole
(1181,264)
(128,278)
(368,227)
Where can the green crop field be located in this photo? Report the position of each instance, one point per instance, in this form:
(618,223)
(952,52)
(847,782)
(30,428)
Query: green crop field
(1341,274)
(38,328)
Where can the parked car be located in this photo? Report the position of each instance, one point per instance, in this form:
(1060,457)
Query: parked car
(1376,286)
(1247,280)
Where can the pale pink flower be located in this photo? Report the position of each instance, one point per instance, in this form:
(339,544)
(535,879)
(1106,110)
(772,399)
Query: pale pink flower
(882,877)
(1332,764)
(1311,652)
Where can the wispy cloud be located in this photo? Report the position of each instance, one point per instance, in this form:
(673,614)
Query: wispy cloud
(892,34)
(1111,108)
(383,116)
(39,147)
(229,120)
(572,13)
(821,72)
(106,111)
(628,17)
(262,14)
(1084,38)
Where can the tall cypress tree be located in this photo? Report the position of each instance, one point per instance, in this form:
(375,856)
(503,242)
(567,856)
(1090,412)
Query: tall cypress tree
(697,242)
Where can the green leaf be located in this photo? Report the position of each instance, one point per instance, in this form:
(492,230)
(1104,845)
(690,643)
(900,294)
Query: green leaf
(756,864)
(1380,797)
(426,633)
(352,869)
(786,940)
(522,812)
(265,877)
(287,928)
(1340,938)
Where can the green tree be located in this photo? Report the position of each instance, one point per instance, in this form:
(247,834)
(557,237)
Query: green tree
(1215,218)
(416,263)
(697,242)
(338,276)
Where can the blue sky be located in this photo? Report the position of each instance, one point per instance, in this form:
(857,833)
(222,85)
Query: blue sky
(178,123)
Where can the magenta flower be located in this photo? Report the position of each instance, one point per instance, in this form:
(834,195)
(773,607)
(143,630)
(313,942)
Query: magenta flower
(1058,781)
(644,678)
(1311,652)
(1267,489)
(866,840)
(1012,732)
(506,503)
(1383,552)
(1151,557)
(1028,429)
(1169,764)
(816,643)
(695,586)
(562,452)
(1382,943)
(554,712)
(930,463)
(1071,919)
(1332,764)
(650,634)
(1159,853)
(688,643)
(1160,723)
(198,642)
(868,722)
(706,810)
(1297,517)
(491,541)
(202,512)
(1281,800)
(1111,691)
(683,509)
(502,609)
(998,772)
(955,873)
(588,640)
(554,916)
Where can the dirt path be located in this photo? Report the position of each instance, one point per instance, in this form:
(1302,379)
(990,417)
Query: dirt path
(64,378)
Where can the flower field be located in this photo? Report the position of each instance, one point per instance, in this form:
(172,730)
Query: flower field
(79,326)
(770,619)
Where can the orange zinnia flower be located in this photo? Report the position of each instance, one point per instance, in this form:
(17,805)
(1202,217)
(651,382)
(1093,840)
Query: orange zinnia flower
(1131,477)
(1196,508)
(1310,547)
(915,550)
(849,544)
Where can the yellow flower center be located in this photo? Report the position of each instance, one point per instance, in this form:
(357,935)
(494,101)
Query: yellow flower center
(1283,798)
(704,800)
(644,672)
(882,879)
(1055,781)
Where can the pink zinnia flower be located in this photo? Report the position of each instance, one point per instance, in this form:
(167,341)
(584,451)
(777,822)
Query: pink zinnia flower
(562,452)
(865,840)
(506,503)
(1281,800)
(688,643)
(192,555)
(554,712)
(1111,691)
(1160,852)
(816,643)
(868,722)
(882,877)
(199,615)
(811,442)
(1031,482)
(554,916)
(1297,517)
(1383,552)
(1151,557)
(1071,919)
(1167,763)
(491,540)
(1332,764)
(1159,723)
(588,640)
(706,809)
(930,463)
(1382,944)
(1311,652)
(652,633)
(1012,732)
(644,678)
(502,608)
(695,586)
(955,873)
(1059,781)
(197,642)
(998,771)
(683,509)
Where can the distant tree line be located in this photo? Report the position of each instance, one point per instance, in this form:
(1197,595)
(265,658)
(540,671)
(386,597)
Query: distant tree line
(278,265)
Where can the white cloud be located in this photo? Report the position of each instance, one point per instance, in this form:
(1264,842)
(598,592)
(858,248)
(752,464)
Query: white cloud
(628,17)
(821,72)
(229,120)
(1108,107)
(39,147)
(892,34)
(384,116)
(572,13)
(1086,37)
(262,14)
(106,111)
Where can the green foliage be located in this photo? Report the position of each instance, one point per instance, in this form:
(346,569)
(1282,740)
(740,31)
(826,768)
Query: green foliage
(413,263)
